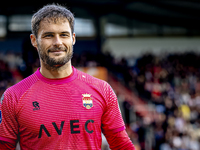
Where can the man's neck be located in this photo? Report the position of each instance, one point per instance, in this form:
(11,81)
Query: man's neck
(61,72)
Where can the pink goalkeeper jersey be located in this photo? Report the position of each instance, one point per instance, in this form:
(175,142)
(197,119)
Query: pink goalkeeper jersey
(68,113)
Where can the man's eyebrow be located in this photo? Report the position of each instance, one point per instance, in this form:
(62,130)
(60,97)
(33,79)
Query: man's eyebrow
(66,32)
(48,33)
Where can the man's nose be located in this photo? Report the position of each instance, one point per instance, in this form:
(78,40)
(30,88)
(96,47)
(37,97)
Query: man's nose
(57,41)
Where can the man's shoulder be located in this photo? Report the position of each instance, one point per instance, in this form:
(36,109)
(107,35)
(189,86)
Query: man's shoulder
(89,79)
(20,87)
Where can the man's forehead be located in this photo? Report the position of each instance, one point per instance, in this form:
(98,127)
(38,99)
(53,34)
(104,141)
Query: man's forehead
(45,24)
(54,20)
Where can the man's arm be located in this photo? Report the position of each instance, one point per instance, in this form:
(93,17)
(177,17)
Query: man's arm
(8,125)
(119,140)
(113,126)
(7,146)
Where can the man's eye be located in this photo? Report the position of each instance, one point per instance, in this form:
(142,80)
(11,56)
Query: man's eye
(64,35)
(48,35)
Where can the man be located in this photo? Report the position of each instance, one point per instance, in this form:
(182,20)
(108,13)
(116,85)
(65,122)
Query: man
(59,107)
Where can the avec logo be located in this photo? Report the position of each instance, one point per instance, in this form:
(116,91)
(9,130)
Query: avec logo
(74,127)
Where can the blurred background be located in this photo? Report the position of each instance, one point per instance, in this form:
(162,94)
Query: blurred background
(148,51)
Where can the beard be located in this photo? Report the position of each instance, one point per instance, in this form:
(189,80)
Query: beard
(55,63)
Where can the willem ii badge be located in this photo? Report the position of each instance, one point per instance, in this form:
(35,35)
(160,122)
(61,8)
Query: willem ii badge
(87,101)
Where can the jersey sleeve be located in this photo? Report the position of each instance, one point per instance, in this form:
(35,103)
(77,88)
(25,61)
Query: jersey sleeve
(7,146)
(112,120)
(119,140)
(8,121)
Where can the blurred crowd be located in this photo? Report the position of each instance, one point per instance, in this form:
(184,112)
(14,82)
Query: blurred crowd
(10,66)
(172,83)
(169,82)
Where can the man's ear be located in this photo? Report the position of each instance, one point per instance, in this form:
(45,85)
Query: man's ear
(74,38)
(34,41)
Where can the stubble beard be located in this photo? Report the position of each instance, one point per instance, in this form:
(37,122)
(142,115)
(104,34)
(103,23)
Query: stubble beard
(54,64)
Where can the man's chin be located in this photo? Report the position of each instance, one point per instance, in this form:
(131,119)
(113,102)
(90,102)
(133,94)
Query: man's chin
(57,59)
(57,62)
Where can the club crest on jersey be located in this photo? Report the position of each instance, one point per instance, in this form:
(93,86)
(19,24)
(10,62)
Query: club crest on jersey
(87,101)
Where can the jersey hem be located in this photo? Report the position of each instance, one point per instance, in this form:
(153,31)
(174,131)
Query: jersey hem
(7,140)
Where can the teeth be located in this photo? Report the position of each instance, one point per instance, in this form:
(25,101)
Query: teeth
(57,51)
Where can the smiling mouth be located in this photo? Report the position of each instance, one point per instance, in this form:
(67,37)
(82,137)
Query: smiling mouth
(56,50)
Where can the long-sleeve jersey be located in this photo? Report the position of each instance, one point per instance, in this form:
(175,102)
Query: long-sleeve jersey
(67,113)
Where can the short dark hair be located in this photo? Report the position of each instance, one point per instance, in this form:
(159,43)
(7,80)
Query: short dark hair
(51,12)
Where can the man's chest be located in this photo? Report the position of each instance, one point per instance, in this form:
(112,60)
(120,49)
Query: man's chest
(60,110)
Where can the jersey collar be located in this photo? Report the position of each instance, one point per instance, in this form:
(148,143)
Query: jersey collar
(60,80)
